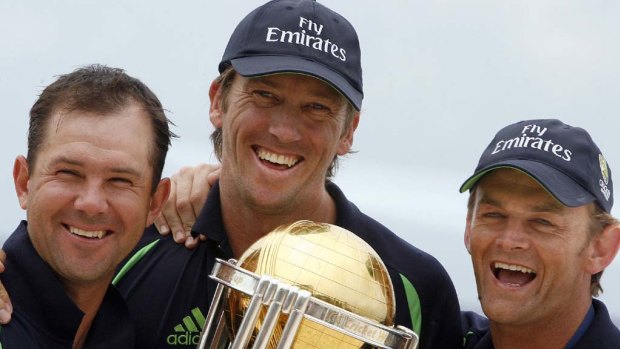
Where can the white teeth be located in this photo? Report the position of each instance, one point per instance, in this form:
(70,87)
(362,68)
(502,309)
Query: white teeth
(89,234)
(277,159)
(513,267)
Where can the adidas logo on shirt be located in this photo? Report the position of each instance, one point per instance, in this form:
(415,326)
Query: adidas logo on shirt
(188,331)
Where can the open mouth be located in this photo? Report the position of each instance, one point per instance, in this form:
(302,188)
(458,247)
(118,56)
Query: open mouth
(513,275)
(284,161)
(89,234)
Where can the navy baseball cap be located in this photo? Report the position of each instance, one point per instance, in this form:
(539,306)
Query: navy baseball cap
(298,36)
(562,158)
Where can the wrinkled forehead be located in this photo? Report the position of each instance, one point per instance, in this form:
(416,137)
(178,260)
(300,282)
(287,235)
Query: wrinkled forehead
(514,184)
(312,84)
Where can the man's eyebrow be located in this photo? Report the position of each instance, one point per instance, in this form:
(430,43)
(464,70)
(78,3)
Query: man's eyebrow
(127,170)
(66,160)
(73,162)
(485,199)
(264,80)
(328,92)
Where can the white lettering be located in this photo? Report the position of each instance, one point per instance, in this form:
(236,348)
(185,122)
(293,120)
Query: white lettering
(568,154)
(526,128)
(546,145)
(606,192)
(556,149)
(343,55)
(301,37)
(497,149)
(534,129)
(310,25)
(289,37)
(271,31)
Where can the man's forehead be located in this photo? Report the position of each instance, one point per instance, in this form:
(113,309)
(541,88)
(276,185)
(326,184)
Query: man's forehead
(514,183)
(316,85)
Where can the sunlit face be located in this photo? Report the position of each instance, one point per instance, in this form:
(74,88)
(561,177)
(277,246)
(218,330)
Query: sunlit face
(88,197)
(280,134)
(529,252)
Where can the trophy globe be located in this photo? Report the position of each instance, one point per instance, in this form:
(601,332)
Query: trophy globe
(325,288)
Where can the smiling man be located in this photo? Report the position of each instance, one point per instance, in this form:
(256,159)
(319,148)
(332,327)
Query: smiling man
(540,234)
(90,185)
(284,107)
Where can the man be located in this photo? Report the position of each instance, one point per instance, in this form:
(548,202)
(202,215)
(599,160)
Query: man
(540,234)
(284,107)
(90,185)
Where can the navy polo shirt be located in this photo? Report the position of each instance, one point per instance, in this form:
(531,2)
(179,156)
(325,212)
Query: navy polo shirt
(44,316)
(596,331)
(168,291)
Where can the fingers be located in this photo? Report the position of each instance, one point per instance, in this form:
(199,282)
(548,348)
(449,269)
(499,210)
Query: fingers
(205,177)
(2,260)
(178,210)
(188,192)
(169,220)
(160,222)
(192,242)
(214,176)
(6,308)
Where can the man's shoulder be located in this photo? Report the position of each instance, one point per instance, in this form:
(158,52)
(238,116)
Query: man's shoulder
(163,283)
(475,330)
(156,253)
(19,334)
(602,333)
(152,243)
(17,238)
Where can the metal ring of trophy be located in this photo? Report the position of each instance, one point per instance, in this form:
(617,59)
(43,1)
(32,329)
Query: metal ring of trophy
(306,285)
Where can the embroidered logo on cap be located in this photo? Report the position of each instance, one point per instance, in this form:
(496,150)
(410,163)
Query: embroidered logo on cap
(605,174)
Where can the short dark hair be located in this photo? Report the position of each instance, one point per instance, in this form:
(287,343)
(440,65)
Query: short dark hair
(100,89)
(225,80)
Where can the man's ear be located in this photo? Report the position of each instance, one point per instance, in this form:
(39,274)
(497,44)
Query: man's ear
(21,176)
(158,199)
(215,110)
(346,141)
(603,248)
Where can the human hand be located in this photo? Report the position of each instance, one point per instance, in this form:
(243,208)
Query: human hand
(6,308)
(188,192)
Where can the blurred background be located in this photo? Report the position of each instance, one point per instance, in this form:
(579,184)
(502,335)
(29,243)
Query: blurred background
(440,78)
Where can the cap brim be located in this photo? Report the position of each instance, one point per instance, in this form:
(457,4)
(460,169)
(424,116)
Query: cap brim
(562,187)
(262,65)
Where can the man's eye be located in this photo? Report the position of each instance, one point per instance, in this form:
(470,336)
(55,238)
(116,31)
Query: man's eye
(120,180)
(318,106)
(492,215)
(264,94)
(67,173)
(543,222)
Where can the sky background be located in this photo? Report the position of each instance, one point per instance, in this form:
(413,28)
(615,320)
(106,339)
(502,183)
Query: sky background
(440,78)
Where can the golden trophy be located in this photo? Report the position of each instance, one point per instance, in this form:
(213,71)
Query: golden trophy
(305,285)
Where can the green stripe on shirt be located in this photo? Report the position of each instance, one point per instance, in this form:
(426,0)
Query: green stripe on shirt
(132,262)
(415,308)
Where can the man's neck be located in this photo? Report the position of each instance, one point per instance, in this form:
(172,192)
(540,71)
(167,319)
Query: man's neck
(546,334)
(245,224)
(88,298)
